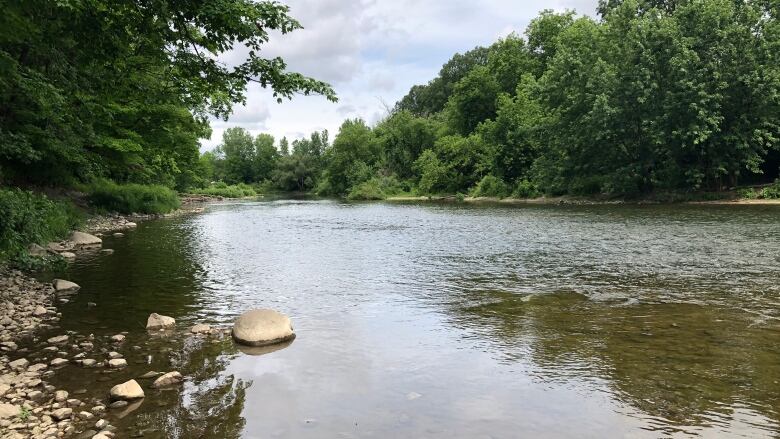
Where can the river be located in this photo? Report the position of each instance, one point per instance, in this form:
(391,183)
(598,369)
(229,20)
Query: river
(448,320)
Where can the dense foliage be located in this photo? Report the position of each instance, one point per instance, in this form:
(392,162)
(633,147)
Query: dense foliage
(122,89)
(652,97)
(132,198)
(27,218)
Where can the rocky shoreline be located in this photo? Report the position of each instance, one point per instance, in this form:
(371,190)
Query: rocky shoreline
(29,406)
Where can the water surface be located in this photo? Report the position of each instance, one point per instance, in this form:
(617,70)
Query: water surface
(450,321)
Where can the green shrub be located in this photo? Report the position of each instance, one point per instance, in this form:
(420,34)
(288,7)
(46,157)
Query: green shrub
(377,188)
(748,193)
(26,218)
(220,189)
(772,192)
(131,198)
(490,186)
(526,189)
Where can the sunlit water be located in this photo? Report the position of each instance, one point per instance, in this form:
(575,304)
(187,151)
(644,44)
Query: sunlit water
(450,321)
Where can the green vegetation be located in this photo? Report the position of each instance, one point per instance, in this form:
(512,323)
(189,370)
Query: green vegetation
(674,99)
(108,196)
(220,189)
(27,218)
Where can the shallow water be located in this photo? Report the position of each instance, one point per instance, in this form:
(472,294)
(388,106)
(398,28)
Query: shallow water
(449,321)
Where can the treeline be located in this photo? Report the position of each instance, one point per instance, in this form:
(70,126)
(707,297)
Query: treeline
(112,97)
(652,96)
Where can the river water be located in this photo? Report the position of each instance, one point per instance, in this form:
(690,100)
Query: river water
(448,320)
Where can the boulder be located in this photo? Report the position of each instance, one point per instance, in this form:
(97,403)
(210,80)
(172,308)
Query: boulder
(57,362)
(8,411)
(65,286)
(157,321)
(63,413)
(19,364)
(262,327)
(169,379)
(58,339)
(200,329)
(127,391)
(36,251)
(60,395)
(116,363)
(81,239)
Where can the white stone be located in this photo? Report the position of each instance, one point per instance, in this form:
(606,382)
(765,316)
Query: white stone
(8,411)
(57,362)
(117,363)
(61,286)
(58,339)
(127,391)
(261,327)
(81,239)
(200,329)
(63,413)
(169,379)
(19,364)
(157,321)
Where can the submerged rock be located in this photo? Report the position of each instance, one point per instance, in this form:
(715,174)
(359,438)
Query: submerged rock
(157,321)
(127,391)
(62,286)
(169,379)
(81,239)
(261,327)
(200,329)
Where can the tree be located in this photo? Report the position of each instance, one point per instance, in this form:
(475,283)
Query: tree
(352,158)
(266,156)
(402,137)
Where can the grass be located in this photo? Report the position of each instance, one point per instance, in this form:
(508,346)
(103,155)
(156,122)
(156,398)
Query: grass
(131,198)
(27,218)
(221,189)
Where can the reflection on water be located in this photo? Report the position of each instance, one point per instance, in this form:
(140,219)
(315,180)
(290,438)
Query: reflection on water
(451,321)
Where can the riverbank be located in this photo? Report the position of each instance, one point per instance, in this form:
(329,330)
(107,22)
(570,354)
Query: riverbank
(30,407)
(569,200)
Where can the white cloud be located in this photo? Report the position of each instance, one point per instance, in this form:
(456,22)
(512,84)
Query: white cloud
(373,51)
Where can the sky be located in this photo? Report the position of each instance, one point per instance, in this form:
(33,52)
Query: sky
(372,52)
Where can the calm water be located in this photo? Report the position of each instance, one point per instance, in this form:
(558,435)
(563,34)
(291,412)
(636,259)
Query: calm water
(449,321)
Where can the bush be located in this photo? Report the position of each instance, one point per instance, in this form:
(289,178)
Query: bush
(27,218)
(748,193)
(490,186)
(772,192)
(377,188)
(220,189)
(132,198)
(526,189)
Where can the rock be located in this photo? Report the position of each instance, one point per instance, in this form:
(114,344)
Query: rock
(157,321)
(114,354)
(60,396)
(150,374)
(131,225)
(117,363)
(169,379)
(19,364)
(57,362)
(119,338)
(101,424)
(37,367)
(118,235)
(261,327)
(200,329)
(4,388)
(63,286)
(81,239)
(86,415)
(58,339)
(107,251)
(127,391)
(118,404)
(101,436)
(68,255)
(40,311)
(36,251)
(88,362)
(61,414)
(8,411)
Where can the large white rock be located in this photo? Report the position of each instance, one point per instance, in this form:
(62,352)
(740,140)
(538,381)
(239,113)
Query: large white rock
(81,239)
(157,321)
(169,379)
(117,363)
(127,391)
(63,286)
(9,411)
(261,327)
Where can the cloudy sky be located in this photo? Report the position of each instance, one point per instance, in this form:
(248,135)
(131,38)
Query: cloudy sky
(372,52)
